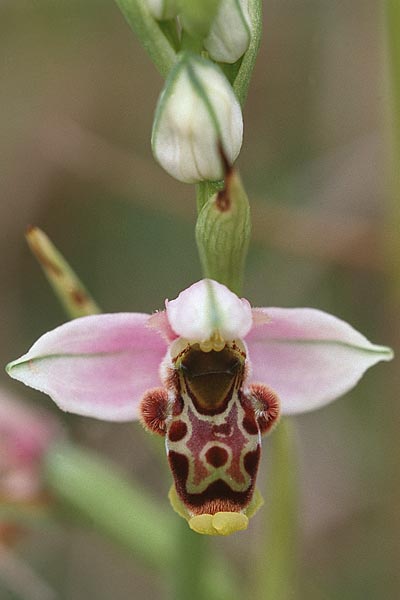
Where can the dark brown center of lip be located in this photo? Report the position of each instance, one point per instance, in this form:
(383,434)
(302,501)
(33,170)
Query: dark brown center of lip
(210,376)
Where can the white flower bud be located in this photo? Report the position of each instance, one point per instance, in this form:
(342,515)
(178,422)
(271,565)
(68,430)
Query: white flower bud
(196,110)
(163,9)
(229,36)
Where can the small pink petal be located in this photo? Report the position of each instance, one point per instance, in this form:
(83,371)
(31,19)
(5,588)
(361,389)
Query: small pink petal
(159,322)
(97,366)
(207,307)
(309,357)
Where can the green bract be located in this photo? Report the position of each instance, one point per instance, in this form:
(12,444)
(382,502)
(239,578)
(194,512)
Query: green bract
(223,232)
(197,111)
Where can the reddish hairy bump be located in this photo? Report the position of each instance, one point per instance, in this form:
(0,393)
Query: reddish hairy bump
(154,409)
(266,405)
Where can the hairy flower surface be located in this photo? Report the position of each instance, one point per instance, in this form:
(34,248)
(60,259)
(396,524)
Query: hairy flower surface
(210,374)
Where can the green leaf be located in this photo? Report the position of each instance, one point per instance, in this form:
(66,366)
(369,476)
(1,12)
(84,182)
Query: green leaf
(121,510)
(242,77)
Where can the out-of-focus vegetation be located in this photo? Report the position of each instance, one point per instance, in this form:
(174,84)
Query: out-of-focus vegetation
(77,99)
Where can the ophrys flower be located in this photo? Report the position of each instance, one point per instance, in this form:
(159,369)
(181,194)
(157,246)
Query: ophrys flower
(210,374)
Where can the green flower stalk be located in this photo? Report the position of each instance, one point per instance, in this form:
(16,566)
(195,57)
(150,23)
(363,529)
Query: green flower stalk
(150,34)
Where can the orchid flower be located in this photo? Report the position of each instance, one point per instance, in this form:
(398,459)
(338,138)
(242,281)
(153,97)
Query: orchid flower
(210,374)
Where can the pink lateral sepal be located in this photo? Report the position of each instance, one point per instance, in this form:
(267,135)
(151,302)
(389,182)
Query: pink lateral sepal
(309,357)
(98,366)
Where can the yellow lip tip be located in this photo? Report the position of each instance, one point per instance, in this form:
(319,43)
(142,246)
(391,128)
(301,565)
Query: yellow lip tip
(202,524)
(229,522)
(222,523)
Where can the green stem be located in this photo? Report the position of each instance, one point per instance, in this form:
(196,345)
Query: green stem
(392,29)
(203,575)
(191,563)
(393,25)
(276,576)
(242,79)
(393,49)
(149,33)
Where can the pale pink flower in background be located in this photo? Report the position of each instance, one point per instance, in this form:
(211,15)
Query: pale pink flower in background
(25,436)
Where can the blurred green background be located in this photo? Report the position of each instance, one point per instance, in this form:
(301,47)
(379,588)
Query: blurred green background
(77,101)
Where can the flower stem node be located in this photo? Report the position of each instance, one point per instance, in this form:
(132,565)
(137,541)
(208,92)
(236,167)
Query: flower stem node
(197,111)
(162,9)
(229,35)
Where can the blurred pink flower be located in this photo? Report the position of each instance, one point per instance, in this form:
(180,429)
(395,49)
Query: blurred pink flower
(25,435)
(208,372)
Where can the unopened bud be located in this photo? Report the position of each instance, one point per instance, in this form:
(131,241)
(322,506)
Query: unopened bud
(229,35)
(163,9)
(197,111)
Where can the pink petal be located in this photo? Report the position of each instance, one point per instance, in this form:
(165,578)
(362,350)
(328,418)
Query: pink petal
(207,307)
(159,322)
(98,366)
(308,356)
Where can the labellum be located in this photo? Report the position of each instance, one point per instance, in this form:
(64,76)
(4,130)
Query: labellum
(212,425)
